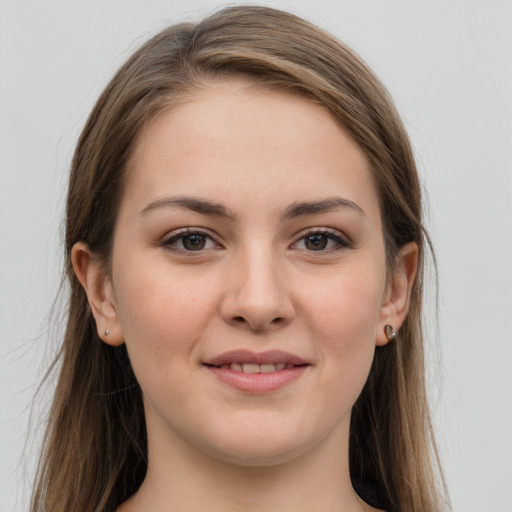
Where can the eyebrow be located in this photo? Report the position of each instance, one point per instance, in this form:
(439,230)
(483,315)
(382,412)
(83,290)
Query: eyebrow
(296,209)
(202,206)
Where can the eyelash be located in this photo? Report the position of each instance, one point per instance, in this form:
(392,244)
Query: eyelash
(340,242)
(188,232)
(332,236)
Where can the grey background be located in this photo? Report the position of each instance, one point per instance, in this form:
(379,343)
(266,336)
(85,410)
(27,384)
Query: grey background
(447,63)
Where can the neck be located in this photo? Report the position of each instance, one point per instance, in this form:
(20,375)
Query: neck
(181,478)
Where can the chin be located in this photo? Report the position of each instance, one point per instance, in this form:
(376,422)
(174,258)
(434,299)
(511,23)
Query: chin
(260,445)
(262,456)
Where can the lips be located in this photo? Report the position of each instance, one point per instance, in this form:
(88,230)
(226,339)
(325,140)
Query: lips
(263,358)
(257,372)
(257,368)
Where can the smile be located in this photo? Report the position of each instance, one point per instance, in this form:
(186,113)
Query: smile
(257,372)
(257,368)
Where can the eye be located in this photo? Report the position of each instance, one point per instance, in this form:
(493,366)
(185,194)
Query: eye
(190,240)
(321,240)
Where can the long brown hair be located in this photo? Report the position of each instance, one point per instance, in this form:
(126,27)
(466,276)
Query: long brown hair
(95,453)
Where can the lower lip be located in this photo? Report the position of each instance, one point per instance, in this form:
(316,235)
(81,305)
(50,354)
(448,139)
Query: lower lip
(258,382)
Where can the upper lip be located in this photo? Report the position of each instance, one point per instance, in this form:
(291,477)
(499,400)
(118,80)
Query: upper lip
(246,356)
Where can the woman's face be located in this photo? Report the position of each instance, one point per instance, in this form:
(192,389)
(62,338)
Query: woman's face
(248,275)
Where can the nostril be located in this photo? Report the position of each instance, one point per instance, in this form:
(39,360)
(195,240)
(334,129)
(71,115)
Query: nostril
(278,321)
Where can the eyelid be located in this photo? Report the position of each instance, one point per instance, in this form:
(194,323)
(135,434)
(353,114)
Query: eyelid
(173,236)
(343,241)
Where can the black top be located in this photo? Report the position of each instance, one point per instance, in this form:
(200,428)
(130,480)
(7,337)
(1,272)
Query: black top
(369,493)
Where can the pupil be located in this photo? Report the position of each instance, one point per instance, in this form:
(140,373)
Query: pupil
(316,242)
(194,242)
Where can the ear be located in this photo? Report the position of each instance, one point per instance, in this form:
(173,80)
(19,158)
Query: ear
(395,305)
(98,287)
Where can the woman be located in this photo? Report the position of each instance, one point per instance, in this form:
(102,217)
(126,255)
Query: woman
(245,253)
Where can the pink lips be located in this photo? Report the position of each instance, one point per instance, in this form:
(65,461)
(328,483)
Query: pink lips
(239,369)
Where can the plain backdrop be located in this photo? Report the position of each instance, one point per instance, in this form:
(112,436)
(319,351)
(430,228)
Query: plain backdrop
(447,63)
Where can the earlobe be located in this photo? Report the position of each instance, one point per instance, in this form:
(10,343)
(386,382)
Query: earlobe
(98,288)
(396,301)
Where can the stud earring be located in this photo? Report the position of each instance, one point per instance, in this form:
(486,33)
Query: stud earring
(390,332)
(107,332)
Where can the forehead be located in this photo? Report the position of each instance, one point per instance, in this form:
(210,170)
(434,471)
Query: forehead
(234,142)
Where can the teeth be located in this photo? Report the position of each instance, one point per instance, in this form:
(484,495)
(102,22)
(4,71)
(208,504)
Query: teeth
(235,367)
(251,368)
(257,368)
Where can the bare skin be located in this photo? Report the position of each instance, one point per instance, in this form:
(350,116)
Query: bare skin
(249,221)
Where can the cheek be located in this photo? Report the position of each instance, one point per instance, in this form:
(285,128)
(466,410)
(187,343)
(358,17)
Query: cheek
(347,305)
(162,313)
(344,314)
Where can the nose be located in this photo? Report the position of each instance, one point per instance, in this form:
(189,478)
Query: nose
(257,296)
